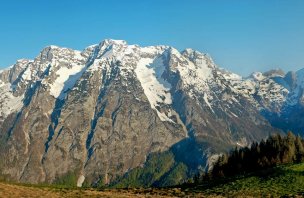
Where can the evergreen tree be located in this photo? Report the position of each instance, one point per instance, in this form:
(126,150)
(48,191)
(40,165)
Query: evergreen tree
(299,149)
(274,151)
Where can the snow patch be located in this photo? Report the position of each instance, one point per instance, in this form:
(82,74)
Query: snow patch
(66,79)
(258,76)
(8,102)
(80,180)
(27,75)
(234,115)
(157,90)
(207,102)
(62,84)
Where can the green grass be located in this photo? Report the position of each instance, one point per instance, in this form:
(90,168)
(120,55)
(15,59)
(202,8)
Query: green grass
(160,169)
(69,180)
(280,181)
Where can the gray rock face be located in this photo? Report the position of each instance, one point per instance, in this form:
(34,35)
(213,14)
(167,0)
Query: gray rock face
(99,113)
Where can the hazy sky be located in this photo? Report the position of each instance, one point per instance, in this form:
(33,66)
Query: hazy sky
(241,35)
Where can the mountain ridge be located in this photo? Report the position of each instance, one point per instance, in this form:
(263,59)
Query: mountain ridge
(103,111)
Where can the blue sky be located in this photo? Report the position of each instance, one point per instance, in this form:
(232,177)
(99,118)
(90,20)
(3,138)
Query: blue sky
(241,35)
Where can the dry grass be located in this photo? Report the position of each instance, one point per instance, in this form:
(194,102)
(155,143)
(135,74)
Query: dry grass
(20,190)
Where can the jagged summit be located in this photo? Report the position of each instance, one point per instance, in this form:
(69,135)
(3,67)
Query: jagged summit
(114,41)
(196,72)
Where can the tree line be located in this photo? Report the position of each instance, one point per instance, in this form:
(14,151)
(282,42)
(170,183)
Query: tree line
(274,151)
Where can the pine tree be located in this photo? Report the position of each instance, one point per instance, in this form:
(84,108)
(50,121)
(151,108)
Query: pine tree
(299,149)
(274,151)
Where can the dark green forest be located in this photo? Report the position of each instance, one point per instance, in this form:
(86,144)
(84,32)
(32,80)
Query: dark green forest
(276,150)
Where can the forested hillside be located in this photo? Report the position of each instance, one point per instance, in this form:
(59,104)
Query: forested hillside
(270,168)
(273,151)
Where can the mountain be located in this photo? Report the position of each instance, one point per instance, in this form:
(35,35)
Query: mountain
(102,112)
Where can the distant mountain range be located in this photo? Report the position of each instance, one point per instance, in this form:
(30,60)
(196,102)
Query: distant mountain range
(99,113)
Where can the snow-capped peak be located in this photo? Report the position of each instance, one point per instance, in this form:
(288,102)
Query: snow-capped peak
(113,42)
(198,57)
(152,66)
(53,46)
(257,76)
(24,61)
(188,51)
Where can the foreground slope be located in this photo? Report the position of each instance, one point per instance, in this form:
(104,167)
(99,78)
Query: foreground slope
(101,112)
(287,180)
(283,181)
